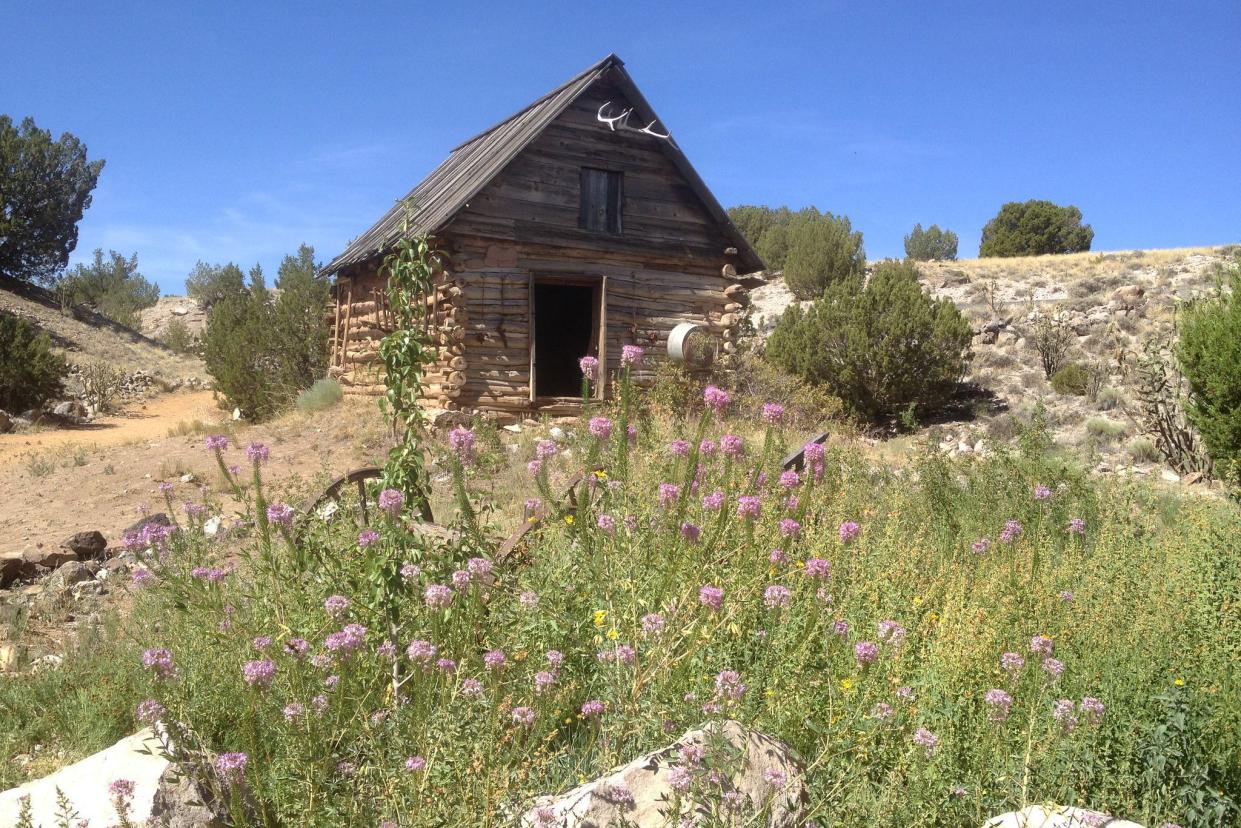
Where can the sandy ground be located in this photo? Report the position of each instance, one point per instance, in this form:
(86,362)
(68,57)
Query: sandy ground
(56,483)
(140,422)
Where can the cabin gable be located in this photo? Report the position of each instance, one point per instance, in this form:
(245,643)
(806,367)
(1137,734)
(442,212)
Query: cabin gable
(538,197)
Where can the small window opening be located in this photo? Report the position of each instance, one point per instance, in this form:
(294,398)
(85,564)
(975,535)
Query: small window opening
(601,201)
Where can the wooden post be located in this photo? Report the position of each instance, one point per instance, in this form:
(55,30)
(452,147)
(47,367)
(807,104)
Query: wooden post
(601,384)
(530,335)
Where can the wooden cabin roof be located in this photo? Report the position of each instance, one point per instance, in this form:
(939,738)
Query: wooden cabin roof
(474,163)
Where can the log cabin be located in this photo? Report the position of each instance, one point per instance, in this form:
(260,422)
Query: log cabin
(571,228)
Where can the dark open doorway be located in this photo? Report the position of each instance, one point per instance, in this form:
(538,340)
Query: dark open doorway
(564,332)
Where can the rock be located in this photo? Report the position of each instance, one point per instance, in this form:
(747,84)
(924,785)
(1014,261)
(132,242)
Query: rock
(70,573)
(1169,476)
(211,526)
(14,566)
(159,518)
(513,429)
(188,477)
(1192,478)
(6,423)
(51,661)
(1129,296)
(1039,816)
(597,803)
(138,758)
(180,803)
(86,544)
(71,410)
(49,558)
(10,657)
(556,433)
(964,447)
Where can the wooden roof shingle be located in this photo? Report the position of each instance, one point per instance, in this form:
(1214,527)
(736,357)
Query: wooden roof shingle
(472,164)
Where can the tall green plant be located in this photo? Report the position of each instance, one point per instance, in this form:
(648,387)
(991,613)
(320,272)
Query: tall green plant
(405,353)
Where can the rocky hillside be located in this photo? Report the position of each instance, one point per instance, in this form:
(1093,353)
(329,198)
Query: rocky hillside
(83,336)
(156,319)
(1112,302)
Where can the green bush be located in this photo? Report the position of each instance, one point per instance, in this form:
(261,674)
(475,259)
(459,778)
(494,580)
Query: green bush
(30,374)
(822,250)
(882,349)
(1144,450)
(1072,379)
(1210,357)
(324,394)
(812,248)
(931,244)
(1105,428)
(177,337)
(1035,228)
(209,284)
(1052,341)
(114,287)
(262,354)
(1110,399)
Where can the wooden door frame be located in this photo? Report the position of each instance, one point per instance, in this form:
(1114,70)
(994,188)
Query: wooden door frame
(599,324)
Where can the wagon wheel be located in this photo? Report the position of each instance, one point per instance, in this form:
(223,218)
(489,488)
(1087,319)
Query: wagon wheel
(358,478)
(535,521)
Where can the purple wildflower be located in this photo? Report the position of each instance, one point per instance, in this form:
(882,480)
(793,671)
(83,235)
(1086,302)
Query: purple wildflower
(818,568)
(555,658)
(840,627)
(257,453)
(849,530)
(1053,666)
(292,710)
(160,662)
(1042,644)
(732,445)
(607,523)
(600,427)
(461,441)
(523,716)
(1063,712)
(347,641)
(232,768)
(706,448)
(336,605)
(776,596)
(594,707)
(471,687)
(142,577)
(297,647)
(790,528)
(652,623)
(711,596)
(1041,492)
(631,355)
(590,367)
(773,413)
(713,502)
(421,652)
(437,596)
(494,659)
(1066,596)
(1000,702)
(1091,710)
(882,711)
(1011,531)
(981,546)
(668,493)
(775,778)
(366,537)
(390,500)
(149,711)
(865,652)
(749,506)
(415,764)
(410,571)
(216,442)
(925,739)
(690,532)
(790,480)
(280,513)
(716,398)
(1077,526)
(891,632)
(1012,662)
(728,685)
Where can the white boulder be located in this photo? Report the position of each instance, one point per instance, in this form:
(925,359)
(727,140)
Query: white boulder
(1052,816)
(763,786)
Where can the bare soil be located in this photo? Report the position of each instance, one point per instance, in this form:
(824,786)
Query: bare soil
(60,482)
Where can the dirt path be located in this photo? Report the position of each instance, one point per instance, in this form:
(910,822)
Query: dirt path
(149,420)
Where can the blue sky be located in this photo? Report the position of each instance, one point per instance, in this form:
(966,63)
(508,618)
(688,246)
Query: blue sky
(236,131)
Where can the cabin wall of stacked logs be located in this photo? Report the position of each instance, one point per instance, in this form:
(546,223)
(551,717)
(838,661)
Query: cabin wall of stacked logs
(479,317)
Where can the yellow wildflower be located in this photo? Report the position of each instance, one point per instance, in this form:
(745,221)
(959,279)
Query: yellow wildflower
(599,616)
(600,474)
(846,684)
(1180,682)
(568,519)
(613,634)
